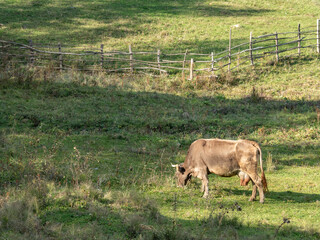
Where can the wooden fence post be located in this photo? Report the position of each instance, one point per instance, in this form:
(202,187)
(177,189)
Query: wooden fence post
(212,63)
(158,60)
(277,47)
(191,68)
(102,58)
(131,58)
(31,53)
(238,60)
(60,58)
(299,40)
(184,64)
(229,66)
(250,49)
(318,35)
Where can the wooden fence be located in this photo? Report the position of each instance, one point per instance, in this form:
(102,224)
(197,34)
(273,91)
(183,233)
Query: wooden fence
(62,57)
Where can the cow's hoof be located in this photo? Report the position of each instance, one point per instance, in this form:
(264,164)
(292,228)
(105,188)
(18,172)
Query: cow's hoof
(205,196)
(262,202)
(252,199)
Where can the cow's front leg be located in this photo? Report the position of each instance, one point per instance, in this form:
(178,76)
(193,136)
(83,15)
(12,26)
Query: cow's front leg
(202,186)
(254,192)
(205,184)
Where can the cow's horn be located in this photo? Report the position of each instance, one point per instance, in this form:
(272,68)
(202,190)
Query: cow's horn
(175,166)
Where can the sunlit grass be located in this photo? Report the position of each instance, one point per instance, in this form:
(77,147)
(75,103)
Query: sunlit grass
(89,156)
(101,147)
(201,26)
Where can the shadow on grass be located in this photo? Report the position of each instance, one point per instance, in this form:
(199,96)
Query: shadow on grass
(285,196)
(113,111)
(302,153)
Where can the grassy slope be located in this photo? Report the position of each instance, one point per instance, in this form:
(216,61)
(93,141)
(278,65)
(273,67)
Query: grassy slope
(118,180)
(196,25)
(127,139)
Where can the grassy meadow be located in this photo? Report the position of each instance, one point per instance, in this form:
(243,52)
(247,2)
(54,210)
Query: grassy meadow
(88,156)
(201,26)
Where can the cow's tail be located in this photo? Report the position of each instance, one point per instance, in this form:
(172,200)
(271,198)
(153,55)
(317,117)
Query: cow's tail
(263,177)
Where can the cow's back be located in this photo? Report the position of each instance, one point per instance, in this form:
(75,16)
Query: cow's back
(220,157)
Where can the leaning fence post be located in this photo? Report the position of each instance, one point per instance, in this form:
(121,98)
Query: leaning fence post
(158,60)
(318,35)
(60,57)
(102,59)
(229,66)
(277,47)
(31,53)
(299,40)
(184,63)
(131,58)
(250,49)
(191,68)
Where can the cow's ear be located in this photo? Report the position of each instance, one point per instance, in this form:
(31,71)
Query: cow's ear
(181,169)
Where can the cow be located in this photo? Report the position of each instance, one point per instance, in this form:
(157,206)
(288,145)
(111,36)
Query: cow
(225,158)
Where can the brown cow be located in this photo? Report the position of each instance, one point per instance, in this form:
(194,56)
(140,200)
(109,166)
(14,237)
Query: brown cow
(225,158)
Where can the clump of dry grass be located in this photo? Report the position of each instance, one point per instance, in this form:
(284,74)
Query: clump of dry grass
(270,165)
(79,167)
(20,213)
(20,216)
(256,95)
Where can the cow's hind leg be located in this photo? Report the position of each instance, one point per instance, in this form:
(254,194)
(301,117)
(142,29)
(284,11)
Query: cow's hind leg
(258,184)
(254,192)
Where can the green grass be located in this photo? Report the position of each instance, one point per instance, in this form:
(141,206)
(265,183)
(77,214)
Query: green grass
(89,156)
(201,26)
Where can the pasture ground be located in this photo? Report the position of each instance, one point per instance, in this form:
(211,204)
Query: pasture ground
(199,26)
(89,156)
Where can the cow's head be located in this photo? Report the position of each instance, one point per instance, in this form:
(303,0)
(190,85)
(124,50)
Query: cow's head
(244,178)
(181,174)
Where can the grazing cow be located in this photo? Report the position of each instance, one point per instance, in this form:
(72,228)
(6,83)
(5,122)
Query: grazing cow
(225,158)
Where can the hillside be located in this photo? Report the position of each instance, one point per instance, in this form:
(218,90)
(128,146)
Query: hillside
(88,156)
(201,26)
